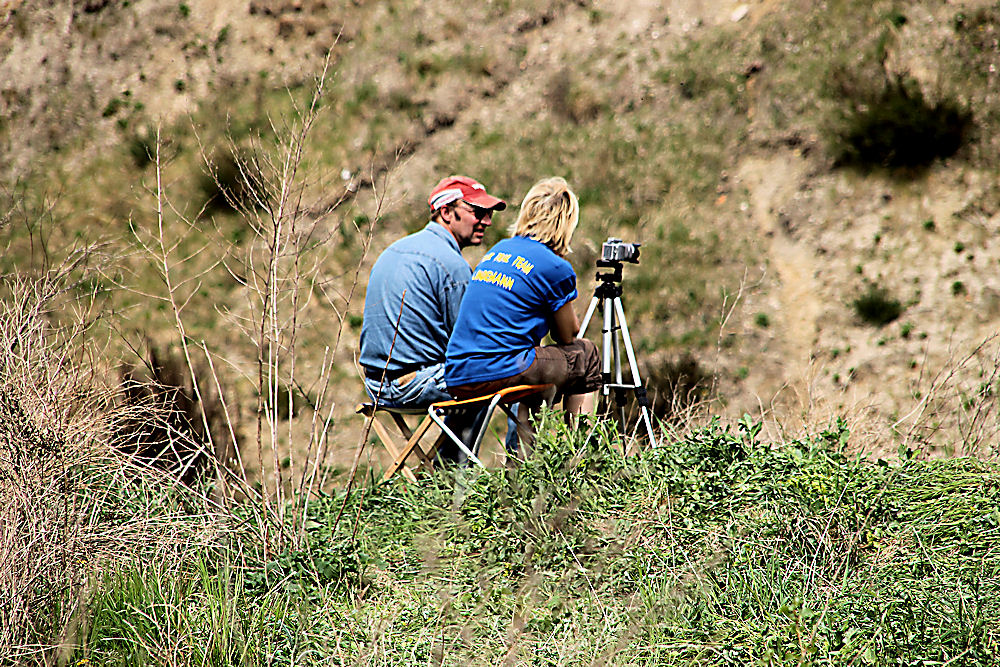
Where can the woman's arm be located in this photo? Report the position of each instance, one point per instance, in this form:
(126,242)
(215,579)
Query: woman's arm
(565,326)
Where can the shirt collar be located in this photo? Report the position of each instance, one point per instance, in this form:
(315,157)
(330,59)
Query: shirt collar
(440,230)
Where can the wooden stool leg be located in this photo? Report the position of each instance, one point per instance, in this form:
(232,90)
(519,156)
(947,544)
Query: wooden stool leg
(390,443)
(404,428)
(413,444)
(427,459)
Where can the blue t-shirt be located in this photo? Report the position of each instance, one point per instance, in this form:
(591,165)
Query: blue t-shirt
(507,310)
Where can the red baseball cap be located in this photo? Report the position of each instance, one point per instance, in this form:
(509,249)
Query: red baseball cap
(454,188)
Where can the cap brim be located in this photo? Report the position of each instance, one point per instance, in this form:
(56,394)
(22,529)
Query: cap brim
(484,200)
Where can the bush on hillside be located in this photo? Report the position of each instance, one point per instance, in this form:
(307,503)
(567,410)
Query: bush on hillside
(168,422)
(674,385)
(876,306)
(234,182)
(894,126)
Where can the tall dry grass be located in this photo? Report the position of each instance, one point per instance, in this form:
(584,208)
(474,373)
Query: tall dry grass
(84,505)
(283,320)
(74,508)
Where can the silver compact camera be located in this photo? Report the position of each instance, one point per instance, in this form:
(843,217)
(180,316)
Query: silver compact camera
(615,250)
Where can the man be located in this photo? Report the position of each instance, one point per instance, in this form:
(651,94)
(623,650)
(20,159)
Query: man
(414,292)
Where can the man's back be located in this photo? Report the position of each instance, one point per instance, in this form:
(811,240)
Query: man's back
(415,289)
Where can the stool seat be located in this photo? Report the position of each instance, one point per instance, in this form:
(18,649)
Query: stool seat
(434,415)
(368,409)
(502,399)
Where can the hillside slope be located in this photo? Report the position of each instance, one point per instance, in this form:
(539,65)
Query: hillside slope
(715,133)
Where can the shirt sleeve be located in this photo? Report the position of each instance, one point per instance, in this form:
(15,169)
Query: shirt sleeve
(562,286)
(455,283)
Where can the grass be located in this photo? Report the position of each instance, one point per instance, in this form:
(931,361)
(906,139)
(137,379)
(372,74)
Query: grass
(718,548)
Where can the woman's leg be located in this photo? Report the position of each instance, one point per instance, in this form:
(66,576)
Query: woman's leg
(576,404)
(525,431)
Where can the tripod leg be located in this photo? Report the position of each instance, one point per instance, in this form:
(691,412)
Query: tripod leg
(640,390)
(620,395)
(607,348)
(611,372)
(606,333)
(586,318)
(617,351)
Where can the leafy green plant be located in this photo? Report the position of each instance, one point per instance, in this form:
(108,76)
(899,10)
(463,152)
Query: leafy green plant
(876,306)
(816,551)
(895,126)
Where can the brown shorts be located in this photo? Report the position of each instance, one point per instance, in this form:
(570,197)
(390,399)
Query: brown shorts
(574,368)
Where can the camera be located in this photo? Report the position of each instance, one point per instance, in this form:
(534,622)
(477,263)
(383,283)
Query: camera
(615,250)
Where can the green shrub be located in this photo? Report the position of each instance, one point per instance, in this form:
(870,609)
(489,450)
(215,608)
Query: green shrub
(234,182)
(141,148)
(876,306)
(895,126)
(114,105)
(570,99)
(676,384)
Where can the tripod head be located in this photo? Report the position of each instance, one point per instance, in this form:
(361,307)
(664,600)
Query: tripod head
(614,252)
(616,270)
(609,283)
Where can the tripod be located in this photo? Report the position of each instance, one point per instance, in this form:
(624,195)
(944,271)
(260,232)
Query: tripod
(608,294)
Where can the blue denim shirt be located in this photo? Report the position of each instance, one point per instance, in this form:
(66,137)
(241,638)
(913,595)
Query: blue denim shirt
(429,267)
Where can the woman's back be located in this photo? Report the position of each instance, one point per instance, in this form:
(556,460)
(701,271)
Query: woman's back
(507,310)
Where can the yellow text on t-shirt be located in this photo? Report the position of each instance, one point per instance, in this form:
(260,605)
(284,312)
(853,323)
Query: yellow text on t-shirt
(494,278)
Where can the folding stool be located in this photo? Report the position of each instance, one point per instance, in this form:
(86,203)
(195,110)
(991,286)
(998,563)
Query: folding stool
(502,399)
(400,451)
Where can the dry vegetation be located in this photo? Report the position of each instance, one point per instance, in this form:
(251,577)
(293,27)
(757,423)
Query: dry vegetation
(74,507)
(193,194)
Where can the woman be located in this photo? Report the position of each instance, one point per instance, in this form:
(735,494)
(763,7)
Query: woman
(521,291)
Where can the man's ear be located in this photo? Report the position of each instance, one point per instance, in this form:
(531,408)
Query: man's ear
(447,214)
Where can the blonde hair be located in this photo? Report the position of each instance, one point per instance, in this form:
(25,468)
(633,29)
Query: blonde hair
(549,213)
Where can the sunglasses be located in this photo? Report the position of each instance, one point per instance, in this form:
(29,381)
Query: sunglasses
(477,211)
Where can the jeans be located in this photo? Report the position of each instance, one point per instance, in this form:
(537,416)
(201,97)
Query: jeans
(425,388)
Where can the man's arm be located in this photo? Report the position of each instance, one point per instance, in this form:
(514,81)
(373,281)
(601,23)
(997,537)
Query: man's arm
(565,326)
(452,300)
